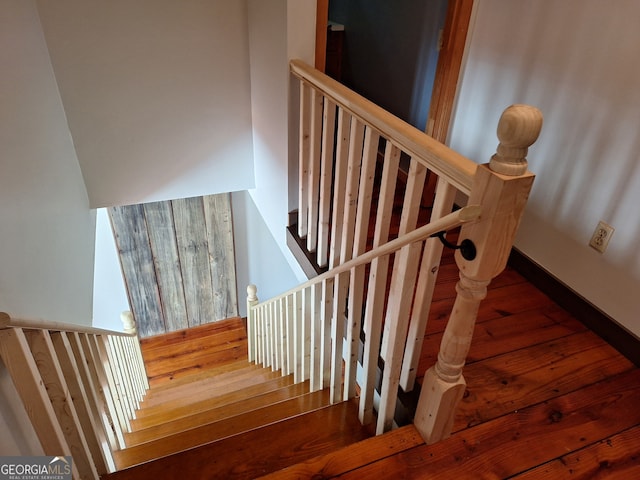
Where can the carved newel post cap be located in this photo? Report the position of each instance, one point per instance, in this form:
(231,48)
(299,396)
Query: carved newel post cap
(252,293)
(518,128)
(128,322)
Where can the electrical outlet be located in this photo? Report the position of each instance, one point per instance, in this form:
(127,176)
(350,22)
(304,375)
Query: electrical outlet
(601,236)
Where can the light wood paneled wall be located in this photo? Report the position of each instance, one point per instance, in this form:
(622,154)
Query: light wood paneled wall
(178,261)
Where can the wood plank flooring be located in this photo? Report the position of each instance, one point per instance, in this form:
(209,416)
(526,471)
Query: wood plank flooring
(546,399)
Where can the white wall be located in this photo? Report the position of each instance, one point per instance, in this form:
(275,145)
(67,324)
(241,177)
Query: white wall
(109,290)
(259,259)
(278,30)
(576,60)
(46,245)
(157,95)
(47,233)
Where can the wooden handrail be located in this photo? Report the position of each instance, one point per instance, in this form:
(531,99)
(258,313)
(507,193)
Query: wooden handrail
(352,153)
(466,214)
(456,168)
(80,386)
(7,322)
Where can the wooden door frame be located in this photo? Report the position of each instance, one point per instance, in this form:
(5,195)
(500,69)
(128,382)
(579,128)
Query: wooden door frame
(445,85)
(322,21)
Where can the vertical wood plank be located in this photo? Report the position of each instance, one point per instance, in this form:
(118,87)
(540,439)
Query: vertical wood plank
(132,239)
(128,362)
(322,21)
(120,362)
(326,311)
(134,344)
(340,286)
(357,283)
(17,357)
(274,335)
(54,380)
(408,220)
(113,362)
(191,238)
(101,361)
(306,334)
(353,326)
(303,163)
(326,181)
(93,432)
(374,304)
(315,372)
(291,339)
(98,377)
(219,222)
(266,335)
(140,367)
(339,187)
(445,84)
(140,373)
(297,336)
(97,404)
(314,169)
(405,269)
(282,326)
(352,186)
(259,336)
(365,191)
(443,204)
(403,278)
(162,239)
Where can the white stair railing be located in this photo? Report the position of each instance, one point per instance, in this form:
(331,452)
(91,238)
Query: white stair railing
(301,332)
(358,163)
(80,386)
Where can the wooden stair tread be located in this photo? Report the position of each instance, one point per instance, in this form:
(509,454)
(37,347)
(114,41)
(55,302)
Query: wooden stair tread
(180,336)
(195,351)
(226,382)
(185,366)
(181,424)
(194,344)
(203,400)
(261,451)
(204,434)
(212,371)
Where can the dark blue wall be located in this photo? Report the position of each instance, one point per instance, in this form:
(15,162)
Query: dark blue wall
(390,52)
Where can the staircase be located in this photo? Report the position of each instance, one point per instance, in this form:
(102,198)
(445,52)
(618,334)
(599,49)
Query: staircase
(211,413)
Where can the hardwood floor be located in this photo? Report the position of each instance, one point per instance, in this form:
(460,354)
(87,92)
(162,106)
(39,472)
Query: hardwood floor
(546,399)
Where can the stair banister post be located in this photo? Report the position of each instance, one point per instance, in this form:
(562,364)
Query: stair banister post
(502,188)
(252,301)
(128,323)
(129,326)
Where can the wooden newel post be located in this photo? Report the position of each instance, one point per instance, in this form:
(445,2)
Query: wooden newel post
(502,188)
(252,301)
(129,326)
(128,322)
